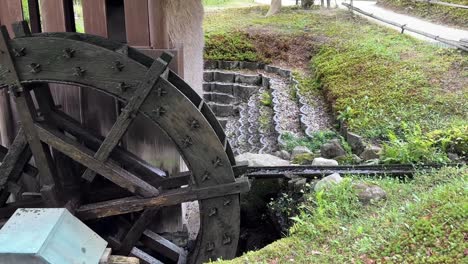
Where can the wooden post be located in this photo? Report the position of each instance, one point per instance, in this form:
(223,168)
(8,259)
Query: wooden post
(159,34)
(57,15)
(11,11)
(137,22)
(95,17)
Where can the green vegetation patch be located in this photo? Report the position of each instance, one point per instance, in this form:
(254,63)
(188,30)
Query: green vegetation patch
(421,221)
(437,13)
(312,143)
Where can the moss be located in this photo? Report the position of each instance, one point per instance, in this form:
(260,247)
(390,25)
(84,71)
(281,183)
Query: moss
(235,46)
(304,159)
(266,99)
(312,143)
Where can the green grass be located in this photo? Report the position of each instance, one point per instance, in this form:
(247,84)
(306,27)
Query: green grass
(421,221)
(312,143)
(227,3)
(380,82)
(437,13)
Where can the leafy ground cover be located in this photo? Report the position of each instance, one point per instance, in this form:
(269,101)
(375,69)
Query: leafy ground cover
(437,13)
(408,95)
(386,86)
(421,221)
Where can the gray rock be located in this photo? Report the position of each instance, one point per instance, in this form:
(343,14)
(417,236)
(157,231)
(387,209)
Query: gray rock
(356,142)
(261,160)
(371,152)
(372,162)
(300,150)
(453,156)
(367,192)
(285,155)
(328,181)
(356,159)
(299,185)
(324,162)
(332,149)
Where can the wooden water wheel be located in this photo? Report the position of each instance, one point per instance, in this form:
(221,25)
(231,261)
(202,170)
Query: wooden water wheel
(107,187)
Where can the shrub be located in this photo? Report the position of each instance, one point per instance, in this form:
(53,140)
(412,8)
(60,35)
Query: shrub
(413,147)
(312,143)
(233,46)
(454,139)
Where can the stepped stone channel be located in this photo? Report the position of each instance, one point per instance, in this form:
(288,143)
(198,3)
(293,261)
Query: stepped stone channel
(257,103)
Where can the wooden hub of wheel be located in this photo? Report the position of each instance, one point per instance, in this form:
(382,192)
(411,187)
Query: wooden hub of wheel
(96,178)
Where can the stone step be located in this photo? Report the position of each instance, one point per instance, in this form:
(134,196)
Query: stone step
(220,98)
(222,110)
(235,77)
(240,91)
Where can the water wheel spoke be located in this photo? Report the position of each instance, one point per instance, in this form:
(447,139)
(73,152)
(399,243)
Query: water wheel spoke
(144,257)
(163,246)
(166,198)
(133,235)
(84,156)
(12,167)
(132,163)
(129,112)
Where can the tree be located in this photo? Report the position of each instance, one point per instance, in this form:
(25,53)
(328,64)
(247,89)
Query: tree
(275,7)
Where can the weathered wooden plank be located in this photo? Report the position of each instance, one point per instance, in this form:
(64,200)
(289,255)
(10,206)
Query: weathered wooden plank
(16,158)
(95,17)
(56,16)
(135,232)
(67,176)
(28,169)
(162,245)
(85,157)
(166,198)
(10,12)
(144,257)
(121,260)
(27,113)
(158,28)
(139,167)
(13,164)
(137,22)
(130,110)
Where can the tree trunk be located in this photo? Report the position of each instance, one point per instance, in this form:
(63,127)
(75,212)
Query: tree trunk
(275,7)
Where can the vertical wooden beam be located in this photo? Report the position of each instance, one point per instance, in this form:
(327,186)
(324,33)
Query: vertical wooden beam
(137,22)
(11,11)
(56,15)
(95,17)
(159,34)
